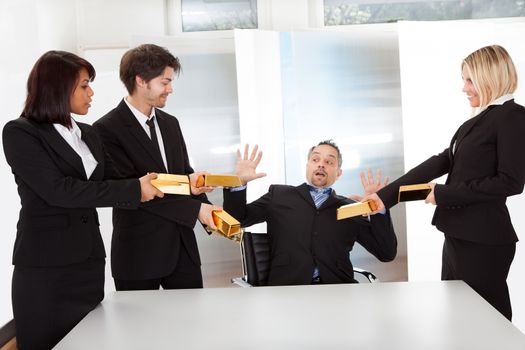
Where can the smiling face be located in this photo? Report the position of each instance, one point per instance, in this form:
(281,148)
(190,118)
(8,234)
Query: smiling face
(322,168)
(157,89)
(80,99)
(468,88)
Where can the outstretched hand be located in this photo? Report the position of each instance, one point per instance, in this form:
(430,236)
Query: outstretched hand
(371,184)
(246,167)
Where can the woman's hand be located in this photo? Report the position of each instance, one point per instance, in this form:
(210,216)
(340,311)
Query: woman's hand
(431,198)
(147,190)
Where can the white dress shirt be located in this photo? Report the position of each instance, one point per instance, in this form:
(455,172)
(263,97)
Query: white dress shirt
(73,137)
(142,119)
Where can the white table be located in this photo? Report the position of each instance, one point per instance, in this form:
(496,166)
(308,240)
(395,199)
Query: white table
(390,316)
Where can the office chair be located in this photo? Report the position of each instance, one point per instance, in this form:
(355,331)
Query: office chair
(255,259)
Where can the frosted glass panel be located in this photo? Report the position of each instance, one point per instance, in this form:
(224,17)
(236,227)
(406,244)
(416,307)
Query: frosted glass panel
(343,87)
(340,86)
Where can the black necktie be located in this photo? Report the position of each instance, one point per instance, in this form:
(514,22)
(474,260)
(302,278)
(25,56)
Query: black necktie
(153,134)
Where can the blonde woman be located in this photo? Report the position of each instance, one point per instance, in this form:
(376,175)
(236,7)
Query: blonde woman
(484,168)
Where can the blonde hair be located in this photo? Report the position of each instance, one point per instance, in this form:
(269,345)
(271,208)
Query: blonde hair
(492,72)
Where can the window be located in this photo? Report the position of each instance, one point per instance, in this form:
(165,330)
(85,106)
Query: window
(209,15)
(340,12)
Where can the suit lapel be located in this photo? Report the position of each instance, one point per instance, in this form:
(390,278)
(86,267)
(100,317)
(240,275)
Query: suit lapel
(331,201)
(136,130)
(61,147)
(465,129)
(305,193)
(98,153)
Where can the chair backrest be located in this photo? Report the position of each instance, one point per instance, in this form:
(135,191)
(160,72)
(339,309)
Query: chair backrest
(255,254)
(255,249)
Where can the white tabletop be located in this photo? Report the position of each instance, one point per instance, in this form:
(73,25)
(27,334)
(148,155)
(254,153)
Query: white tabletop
(400,315)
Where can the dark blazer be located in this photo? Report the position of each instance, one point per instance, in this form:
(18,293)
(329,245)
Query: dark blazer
(146,243)
(302,236)
(484,165)
(58,223)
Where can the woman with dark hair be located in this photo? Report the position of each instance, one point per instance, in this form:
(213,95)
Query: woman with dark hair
(59,166)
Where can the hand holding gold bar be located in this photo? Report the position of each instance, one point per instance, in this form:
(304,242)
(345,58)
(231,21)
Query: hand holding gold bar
(172,184)
(227,225)
(356,209)
(215,180)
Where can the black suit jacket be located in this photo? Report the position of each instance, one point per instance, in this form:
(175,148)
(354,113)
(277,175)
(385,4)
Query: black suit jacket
(485,165)
(58,223)
(302,236)
(146,242)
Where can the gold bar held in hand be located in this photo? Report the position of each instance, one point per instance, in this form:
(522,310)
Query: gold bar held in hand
(172,184)
(226,224)
(356,209)
(218,180)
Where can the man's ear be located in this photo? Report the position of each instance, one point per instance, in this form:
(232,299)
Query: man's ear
(140,82)
(339,173)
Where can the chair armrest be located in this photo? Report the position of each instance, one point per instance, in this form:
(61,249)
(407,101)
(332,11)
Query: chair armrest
(369,275)
(241,282)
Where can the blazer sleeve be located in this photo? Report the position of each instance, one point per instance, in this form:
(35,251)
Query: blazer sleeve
(427,171)
(377,236)
(182,210)
(31,162)
(247,214)
(509,177)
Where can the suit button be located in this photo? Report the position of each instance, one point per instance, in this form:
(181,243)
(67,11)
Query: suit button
(317,212)
(84,219)
(315,233)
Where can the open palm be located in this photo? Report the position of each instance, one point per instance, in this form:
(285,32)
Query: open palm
(246,167)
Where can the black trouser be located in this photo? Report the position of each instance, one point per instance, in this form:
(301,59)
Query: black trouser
(185,275)
(49,301)
(483,267)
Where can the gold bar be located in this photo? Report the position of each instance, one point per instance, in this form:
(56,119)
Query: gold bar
(356,209)
(227,225)
(172,184)
(219,180)
(413,192)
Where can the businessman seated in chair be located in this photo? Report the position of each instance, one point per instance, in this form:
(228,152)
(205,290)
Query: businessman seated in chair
(308,245)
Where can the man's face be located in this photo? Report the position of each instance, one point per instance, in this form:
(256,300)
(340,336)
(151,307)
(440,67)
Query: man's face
(158,89)
(322,168)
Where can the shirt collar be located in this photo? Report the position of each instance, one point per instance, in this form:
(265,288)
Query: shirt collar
(327,190)
(497,102)
(74,130)
(141,117)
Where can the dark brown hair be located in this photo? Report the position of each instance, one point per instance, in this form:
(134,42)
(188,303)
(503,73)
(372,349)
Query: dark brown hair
(148,61)
(50,85)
